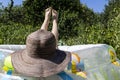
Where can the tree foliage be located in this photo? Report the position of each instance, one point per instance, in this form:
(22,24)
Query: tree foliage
(71,14)
(111,10)
(77,23)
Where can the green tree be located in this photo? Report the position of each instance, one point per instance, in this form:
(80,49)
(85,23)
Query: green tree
(111,11)
(71,14)
(68,13)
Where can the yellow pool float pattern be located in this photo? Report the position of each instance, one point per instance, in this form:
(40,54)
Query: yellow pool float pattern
(8,68)
(113,56)
(76,66)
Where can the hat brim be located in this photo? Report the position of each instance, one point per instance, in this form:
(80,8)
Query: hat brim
(38,67)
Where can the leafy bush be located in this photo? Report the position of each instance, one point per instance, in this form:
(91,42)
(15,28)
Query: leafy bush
(14,33)
(88,35)
(98,33)
(113,33)
(77,23)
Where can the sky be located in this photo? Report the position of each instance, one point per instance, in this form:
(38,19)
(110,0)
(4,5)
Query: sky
(96,5)
(16,2)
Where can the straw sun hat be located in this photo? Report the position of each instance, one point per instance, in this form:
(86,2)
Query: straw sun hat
(40,58)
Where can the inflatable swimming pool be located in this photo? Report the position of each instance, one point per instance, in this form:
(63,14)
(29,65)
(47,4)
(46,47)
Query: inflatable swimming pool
(97,62)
